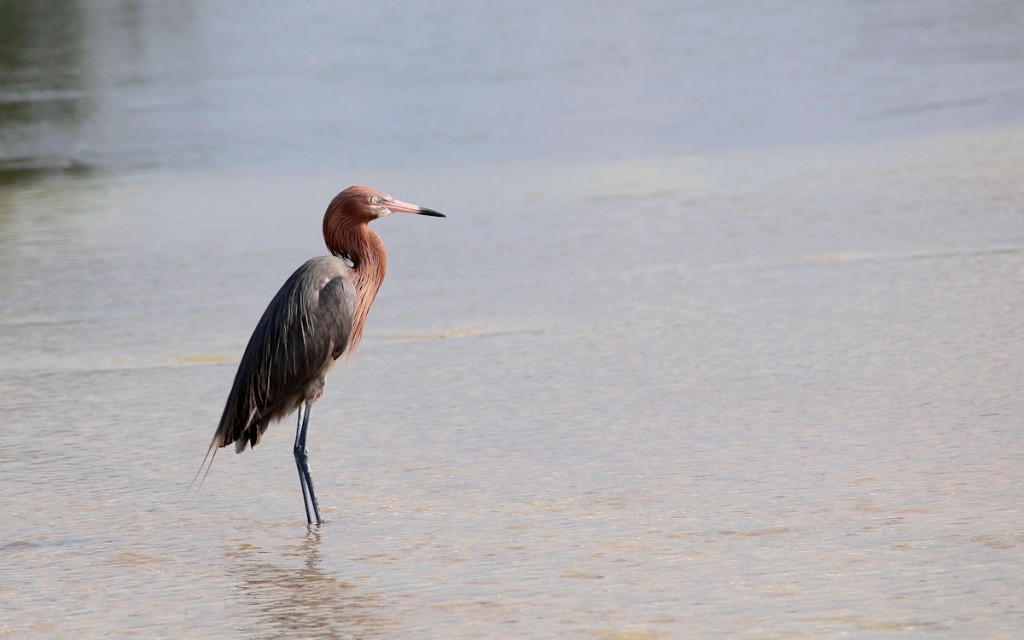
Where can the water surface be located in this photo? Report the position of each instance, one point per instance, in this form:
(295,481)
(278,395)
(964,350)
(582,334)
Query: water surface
(721,336)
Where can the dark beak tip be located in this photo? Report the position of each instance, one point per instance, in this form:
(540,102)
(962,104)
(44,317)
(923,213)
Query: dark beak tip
(430,212)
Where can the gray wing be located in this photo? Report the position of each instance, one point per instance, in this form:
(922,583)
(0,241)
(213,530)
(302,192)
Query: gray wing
(304,330)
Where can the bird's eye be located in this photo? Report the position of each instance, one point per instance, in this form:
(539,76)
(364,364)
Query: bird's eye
(374,200)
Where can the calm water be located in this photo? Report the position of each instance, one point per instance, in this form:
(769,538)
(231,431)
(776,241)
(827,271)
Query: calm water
(722,337)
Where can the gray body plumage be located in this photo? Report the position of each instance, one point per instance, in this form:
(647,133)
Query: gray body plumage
(304,330)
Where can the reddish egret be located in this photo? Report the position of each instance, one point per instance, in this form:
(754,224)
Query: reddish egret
(316,317)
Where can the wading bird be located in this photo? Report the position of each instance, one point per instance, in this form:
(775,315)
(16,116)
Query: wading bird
(316,317)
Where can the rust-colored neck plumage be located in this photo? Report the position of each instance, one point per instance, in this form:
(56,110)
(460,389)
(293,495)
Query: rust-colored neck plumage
(348,238)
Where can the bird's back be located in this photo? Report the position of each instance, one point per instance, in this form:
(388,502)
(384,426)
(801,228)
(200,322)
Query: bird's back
(306,327)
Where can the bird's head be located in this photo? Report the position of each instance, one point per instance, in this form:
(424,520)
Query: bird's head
(365,204)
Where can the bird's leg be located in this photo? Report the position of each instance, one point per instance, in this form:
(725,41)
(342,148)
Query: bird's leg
(299,450)
(302,462)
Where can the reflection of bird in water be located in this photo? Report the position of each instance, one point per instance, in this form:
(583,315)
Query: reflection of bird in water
(291,599)
(316,317)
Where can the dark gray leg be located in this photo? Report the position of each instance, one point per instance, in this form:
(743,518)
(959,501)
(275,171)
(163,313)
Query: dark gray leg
(302,462)
(299,452)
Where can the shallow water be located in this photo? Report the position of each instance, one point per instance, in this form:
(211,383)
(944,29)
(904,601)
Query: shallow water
(720,338)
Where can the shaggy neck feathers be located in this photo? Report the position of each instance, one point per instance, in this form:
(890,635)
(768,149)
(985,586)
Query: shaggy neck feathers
(351,240)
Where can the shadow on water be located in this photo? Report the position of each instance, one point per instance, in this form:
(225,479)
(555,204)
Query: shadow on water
(284,598)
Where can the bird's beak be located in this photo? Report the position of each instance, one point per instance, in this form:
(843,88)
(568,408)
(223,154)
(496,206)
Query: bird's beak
(397,206)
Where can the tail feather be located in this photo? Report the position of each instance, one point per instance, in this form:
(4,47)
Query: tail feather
(204,466)
(250,434)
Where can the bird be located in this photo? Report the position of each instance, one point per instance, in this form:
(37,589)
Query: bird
(315,319)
